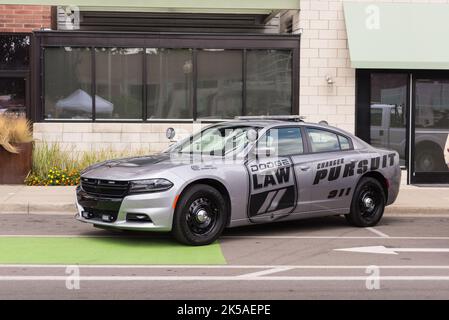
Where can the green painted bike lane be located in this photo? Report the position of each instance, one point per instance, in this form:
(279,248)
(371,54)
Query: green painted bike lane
(104,250)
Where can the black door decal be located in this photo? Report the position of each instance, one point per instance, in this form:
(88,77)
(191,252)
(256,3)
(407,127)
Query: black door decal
(273,192)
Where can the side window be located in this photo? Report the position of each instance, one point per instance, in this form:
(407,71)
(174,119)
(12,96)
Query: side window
(344,143)
(281,142)
(322,140)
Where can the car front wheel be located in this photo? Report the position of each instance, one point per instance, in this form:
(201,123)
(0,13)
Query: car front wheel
(368,203)
(200,215)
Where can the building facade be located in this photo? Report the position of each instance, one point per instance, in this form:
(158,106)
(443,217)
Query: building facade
(101,75)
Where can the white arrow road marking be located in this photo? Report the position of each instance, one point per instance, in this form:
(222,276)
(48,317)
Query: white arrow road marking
(385,250)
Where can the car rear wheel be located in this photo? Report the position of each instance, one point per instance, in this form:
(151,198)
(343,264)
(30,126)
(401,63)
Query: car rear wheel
(368,203)
(200,215)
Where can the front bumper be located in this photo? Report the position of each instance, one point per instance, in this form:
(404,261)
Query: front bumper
(157,206)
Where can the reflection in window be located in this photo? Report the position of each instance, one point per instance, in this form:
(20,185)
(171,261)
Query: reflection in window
(344,143)
(323,141)
(432,104)
(12,96)
(14,52)
(376,117)
(282,142)
(269,82)
(169,83)
(119,83)
(388,111)
(220,140)
(220,83)
(67,83)
(432,125)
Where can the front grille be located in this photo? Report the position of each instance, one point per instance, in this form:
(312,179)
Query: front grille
(105,188)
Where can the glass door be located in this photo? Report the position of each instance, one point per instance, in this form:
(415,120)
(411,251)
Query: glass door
(430,128)
(388,112)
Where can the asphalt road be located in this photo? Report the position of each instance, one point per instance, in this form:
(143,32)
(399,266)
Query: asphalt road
(407,258)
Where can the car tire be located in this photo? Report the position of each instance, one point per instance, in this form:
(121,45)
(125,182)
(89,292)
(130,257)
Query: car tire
(368,203)
(200,215)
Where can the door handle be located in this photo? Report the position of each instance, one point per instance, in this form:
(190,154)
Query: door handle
(304,168)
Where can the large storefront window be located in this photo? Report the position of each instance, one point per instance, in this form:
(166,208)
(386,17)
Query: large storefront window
(220,83)
(269,82)
(68,83)
(118,83)
(14,73)
(148,77)
(407,111)
(169,83)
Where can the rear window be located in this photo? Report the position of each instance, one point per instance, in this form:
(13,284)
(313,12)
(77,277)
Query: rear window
(344,143)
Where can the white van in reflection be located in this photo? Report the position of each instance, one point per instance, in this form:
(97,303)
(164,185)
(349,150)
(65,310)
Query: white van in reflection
(431,145)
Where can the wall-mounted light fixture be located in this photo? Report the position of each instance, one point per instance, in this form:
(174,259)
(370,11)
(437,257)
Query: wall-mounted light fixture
(329,80)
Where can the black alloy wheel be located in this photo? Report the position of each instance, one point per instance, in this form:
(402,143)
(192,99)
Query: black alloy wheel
(200,215)
(368,203)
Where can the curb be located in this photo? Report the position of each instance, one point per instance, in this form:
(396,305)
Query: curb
(68,208)
(416,210)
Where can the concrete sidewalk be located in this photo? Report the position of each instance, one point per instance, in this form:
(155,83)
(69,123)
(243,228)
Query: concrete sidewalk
(18,199)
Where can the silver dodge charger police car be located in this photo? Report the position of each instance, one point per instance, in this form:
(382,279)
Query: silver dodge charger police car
(242,172)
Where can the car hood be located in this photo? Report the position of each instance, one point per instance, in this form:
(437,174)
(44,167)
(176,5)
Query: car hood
(132,168)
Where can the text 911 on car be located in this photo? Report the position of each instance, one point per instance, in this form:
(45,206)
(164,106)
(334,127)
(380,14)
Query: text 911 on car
(242,172)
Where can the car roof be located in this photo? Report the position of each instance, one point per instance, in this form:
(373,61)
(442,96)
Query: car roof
(266,123)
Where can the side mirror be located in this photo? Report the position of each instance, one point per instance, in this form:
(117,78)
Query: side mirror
(170,133)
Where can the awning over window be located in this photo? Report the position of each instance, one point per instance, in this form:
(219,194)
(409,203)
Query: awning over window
(402,36)
(183,6)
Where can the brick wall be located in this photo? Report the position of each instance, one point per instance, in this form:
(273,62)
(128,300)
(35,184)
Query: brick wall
(24,18)
(82,137)
(324,52)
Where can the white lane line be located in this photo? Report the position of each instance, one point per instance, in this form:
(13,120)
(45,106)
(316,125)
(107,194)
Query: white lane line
(334,237)
(224,278)
(265,272)
(199,266)
(379,233)
(225,237)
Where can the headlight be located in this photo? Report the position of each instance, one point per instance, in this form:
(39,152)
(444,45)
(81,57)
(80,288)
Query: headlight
(150,185)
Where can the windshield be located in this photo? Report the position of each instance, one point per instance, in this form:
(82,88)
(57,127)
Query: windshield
(221,140)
